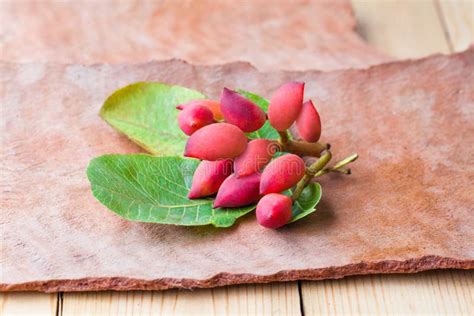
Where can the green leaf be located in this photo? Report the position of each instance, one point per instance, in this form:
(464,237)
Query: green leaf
(266,131)
(146,113)
(306,203)
(279,154)
(144,188)
(258,100)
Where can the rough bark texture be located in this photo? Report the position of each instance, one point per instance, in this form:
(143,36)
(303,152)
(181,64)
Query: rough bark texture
(281,34)
(407,206)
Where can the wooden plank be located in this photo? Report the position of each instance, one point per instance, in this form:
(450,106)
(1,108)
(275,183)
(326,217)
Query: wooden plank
(403,29)
(261,299)
(28,303)
(432,293)
(458,19)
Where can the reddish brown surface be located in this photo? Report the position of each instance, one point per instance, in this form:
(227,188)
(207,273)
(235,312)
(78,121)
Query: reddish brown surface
(293,35)
(406,208)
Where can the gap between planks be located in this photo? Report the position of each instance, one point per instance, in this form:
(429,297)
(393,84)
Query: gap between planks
(403,29)
(29,303)
(457,17)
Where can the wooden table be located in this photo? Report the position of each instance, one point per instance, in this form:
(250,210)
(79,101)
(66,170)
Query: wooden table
(405,29)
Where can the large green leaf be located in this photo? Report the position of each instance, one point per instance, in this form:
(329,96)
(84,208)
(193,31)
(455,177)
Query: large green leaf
(143,188)
(145,112)
(266,131)
(306,203)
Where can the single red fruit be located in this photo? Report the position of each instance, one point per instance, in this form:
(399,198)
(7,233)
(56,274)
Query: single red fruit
(258,153)
(194,117)
(212,105)
(308,123)
(282,174)
(285,105)
(274,210)
(235,192)
(216,141)
(208,177)
(241,112)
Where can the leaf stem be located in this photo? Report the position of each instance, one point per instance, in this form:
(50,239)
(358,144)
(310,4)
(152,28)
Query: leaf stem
(339,166)
(345,161)
(310,172)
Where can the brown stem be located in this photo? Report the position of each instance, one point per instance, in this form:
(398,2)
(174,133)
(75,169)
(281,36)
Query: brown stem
(300,148)
(304,149)
(310,172)
(284,138)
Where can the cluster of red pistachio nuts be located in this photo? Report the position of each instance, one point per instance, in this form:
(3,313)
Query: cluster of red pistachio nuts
(242,172)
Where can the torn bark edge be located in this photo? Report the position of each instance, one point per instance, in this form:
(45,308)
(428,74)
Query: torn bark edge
(128,284)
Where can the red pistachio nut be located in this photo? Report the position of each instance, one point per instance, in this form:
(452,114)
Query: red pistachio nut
(208,177)
(282,174)
(258,153)
(216,141)
(235,192)
(274,210)
(194,117)
(212,105)
(308,123)
(241,112)
(285,105)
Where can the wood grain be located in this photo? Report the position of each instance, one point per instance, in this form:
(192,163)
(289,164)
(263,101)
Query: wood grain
(458,19)
(13,304)
(435,292)
(270,299)
(403,29)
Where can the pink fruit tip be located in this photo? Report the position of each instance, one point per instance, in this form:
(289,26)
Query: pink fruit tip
(216,204)
(193,118)
(236,192)
(281,174)
(308,123)
(193,195)
(274,210)
(208,177)
(285,105)
(216,141)
(212,105)
(241,112)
